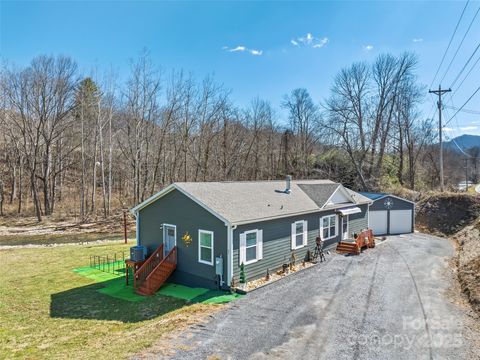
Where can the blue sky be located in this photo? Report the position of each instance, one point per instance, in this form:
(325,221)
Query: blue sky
(201,36)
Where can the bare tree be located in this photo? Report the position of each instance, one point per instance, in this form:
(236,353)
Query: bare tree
(304,119)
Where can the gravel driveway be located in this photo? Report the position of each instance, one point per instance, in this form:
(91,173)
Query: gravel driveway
(390,302)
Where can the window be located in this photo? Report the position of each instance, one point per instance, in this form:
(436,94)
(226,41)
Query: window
(205,247)
(299,234)
(251,246)
(329,226)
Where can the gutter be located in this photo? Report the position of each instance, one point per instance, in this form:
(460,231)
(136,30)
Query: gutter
(339,206)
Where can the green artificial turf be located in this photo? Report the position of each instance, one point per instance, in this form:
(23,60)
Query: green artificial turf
(181,292)
(113,284)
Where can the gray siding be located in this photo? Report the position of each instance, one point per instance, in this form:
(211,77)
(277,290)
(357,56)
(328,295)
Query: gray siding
(177,209)
(358,222)
(277,240)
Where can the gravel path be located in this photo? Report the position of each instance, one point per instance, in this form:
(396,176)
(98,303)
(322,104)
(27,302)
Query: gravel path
(390,302)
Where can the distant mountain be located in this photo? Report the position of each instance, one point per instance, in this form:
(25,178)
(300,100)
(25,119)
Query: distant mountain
(464,141)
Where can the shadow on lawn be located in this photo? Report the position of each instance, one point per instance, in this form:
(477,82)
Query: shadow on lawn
(87,303)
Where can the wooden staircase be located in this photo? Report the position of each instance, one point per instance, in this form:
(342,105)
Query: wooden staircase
(345,247)
(155,271)
(364,240)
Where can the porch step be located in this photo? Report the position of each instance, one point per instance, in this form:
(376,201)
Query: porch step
(348,248)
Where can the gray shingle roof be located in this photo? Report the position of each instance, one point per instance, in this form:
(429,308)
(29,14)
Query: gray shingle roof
(249,201)
(319,193)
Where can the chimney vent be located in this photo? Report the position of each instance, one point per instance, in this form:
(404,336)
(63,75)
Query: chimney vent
(288,180)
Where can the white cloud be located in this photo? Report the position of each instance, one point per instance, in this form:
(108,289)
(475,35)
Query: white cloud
(238,48)
(368,47)
(321,43)
(310,41)
(467,128)
(416,40)
(242,48)
(447,129)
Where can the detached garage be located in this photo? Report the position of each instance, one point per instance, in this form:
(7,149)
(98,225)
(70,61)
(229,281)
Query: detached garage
(390,215)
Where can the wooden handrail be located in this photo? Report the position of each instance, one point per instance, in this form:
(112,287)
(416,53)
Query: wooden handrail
(147,267)
(171,258)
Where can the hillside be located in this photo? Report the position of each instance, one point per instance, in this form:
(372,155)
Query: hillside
(446,213)
(465,142)
(468,262)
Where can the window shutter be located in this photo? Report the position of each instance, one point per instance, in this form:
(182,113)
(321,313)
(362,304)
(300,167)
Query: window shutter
(242,250)
(305,232)
(321,228)
(293,236)
(260,244)
(337,225)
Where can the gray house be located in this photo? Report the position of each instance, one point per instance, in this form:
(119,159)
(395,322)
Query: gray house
(216,226)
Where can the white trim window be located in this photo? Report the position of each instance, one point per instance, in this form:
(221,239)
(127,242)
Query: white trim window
(329,226)
(205,247)
(299,234)
(251,246)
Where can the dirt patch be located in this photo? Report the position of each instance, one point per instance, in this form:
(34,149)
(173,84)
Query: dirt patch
(468,262)
(26,231)
(446,213)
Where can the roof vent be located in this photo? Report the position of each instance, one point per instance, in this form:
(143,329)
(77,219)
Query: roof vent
(288,180)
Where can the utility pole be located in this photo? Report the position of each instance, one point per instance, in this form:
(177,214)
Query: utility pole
(439,93)
(466,174)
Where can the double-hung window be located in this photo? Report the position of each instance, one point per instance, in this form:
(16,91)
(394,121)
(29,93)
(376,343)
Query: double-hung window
(329,226)
(299,234)
(205,247)
(251,246)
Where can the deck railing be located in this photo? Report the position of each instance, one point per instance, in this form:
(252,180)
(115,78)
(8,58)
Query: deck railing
(170,259)
(147,267)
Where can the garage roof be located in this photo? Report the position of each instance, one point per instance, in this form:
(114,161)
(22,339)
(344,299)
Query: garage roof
(373,196)
(378,196)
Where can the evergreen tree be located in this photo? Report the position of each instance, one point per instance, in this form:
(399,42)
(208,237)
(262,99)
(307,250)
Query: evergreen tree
(243,278)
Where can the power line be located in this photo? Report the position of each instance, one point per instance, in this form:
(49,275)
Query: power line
(466,64)
(461,107)
(468,111)
(449,43)
(466,76)
(459,148)
(460,45)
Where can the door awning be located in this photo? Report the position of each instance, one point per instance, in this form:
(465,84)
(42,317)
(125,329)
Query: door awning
(349,211)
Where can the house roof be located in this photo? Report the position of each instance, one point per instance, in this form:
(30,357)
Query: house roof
(360,196)
(242,202)
(319,193)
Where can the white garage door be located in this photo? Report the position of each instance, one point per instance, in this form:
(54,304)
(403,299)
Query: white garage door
(400,221)
(378,222)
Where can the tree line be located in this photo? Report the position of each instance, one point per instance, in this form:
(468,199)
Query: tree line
(91,145)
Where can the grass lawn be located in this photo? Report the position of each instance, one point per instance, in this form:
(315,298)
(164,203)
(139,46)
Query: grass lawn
(49,311)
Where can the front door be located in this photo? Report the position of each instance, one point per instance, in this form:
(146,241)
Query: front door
(169,238)
(345,227)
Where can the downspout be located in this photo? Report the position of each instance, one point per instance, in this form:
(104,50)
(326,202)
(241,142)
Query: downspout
(230,229)
(137,225)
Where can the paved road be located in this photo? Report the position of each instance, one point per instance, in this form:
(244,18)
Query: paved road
(391,302)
